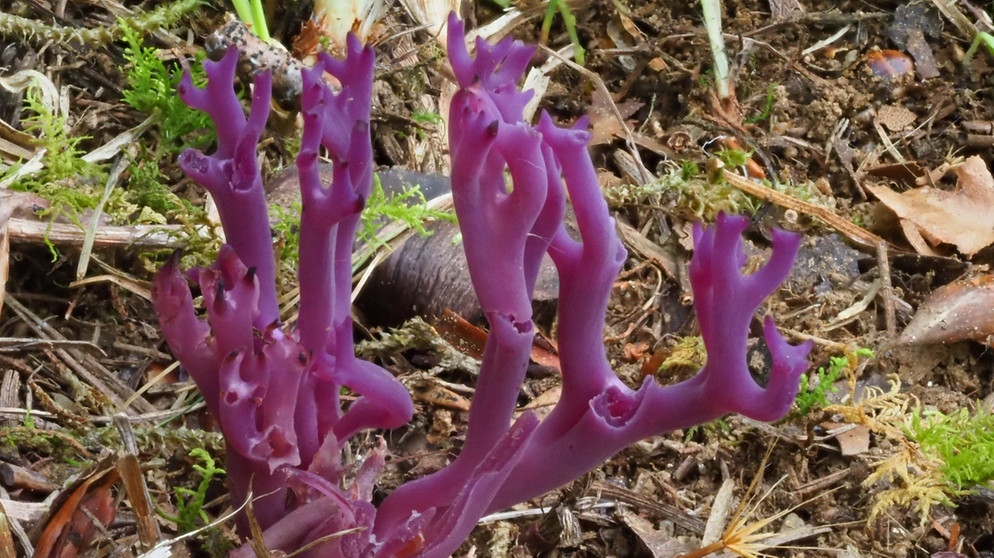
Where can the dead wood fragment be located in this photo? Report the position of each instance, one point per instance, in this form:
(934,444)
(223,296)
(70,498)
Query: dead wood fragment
(256,56)
(30,231)
(886,290)
(849,229)
(14,476)
(7,549)
(134,483)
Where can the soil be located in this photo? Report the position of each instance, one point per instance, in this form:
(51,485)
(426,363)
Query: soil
(824,103)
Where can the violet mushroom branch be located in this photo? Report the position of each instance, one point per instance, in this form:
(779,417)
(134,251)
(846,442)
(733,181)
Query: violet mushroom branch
(597,415)
(338,122)
(231,174)
(275,391)
(512,222)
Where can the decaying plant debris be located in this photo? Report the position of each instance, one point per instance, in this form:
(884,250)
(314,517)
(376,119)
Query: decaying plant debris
(853,110)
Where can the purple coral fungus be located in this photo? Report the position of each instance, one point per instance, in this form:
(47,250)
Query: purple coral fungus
(276,390)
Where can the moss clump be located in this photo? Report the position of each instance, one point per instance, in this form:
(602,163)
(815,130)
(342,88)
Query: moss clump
(152,90)
(963,442)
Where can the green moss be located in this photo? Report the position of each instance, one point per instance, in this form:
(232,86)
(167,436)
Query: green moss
(152,90)
(68,182)
(683,189)
(148,190)
(962,441)
(57,443)
(190,502)
(286,228)
(409,207)
(714,431)
(815,386)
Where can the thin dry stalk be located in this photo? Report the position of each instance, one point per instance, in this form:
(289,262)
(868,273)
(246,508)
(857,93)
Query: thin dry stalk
(134,484)
(827,216)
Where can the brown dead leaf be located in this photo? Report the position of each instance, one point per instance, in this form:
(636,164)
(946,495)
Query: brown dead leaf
(469,339)
(69,529)
(604,116)
(853,439)
(961,217)
(636,351)
(543,404)
(545,353)
(895,118)
(955,312)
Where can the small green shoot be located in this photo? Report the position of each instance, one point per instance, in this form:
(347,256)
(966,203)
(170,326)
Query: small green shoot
(712,23)
(815,386)
(425,117)
(190,503)
(409,207)
(689,169)
(253,15)
(152,90)
(569,20)
(771,97)
(982,39)
(734,158)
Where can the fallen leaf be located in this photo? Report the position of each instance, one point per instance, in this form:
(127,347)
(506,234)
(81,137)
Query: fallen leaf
(955,312)
(961,217)
(471,340)
(604,116)
(904,172)
(69,529)
(543,404)
(914,23)
(461,334)
(855,441)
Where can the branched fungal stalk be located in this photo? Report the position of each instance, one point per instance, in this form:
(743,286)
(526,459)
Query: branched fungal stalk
(276,391)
